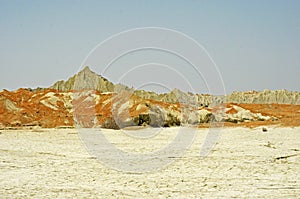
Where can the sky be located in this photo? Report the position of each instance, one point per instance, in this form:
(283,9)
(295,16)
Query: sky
(246,45)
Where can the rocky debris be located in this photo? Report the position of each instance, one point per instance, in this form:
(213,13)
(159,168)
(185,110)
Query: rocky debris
(270,145)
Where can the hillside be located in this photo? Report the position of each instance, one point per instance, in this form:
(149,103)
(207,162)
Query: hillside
(89,100)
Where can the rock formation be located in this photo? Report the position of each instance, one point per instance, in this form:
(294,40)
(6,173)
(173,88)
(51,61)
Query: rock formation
(89,100)
(265,97)
(52,108)
(87,79)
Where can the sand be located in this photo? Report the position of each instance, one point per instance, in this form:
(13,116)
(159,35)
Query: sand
(245,163)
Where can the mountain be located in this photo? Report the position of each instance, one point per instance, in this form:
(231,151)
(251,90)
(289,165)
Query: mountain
(87,79)
(89,100)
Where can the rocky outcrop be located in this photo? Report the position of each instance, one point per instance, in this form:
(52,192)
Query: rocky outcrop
(89,80)
(237,114)
(86,79)
(265,97)
(90,108)
(8,104)
(47,108)
(252,97)
(89,100)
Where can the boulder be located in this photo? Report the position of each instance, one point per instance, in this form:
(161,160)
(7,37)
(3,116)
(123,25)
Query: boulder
(110,123)
(142,120)
(157,116)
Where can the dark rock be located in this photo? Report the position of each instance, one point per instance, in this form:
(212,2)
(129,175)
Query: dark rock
(142,120)
(157,116)
(207,118)
(172,120)
(110,123)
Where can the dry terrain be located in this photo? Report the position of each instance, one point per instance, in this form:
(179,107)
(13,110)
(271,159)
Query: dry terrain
(245,163)
(43,145)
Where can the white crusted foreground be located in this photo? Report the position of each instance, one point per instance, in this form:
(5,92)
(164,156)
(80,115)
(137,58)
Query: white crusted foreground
(245,163)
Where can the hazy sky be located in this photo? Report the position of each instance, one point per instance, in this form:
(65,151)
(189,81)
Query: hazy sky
(255,44)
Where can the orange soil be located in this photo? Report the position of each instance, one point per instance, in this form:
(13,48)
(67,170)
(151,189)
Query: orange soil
(288,115)
(32,112)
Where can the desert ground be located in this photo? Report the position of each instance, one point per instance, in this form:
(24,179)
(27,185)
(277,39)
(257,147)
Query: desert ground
(245,163)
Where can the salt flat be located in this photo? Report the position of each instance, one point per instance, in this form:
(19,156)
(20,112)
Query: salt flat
(245,163)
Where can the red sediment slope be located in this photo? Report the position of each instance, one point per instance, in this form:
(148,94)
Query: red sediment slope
(51,108)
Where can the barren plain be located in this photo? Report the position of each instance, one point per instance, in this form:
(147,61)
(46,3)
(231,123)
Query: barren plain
(245,163)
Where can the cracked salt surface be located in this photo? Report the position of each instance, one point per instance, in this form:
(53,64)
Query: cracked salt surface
(54,163)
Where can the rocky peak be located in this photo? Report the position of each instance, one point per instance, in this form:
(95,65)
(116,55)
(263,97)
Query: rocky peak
(87,69)
(85,79)
(86,73)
